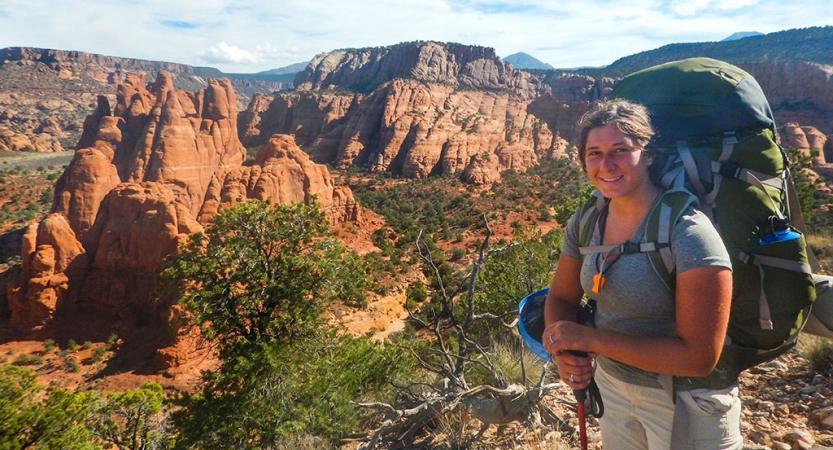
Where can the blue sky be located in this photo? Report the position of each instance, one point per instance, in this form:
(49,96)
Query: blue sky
(253,35)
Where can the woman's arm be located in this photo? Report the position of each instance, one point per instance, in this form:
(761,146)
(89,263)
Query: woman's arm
(565,292)
(561,307)
(703,299)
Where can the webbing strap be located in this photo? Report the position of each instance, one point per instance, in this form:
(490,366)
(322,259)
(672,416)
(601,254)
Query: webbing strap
(765,316)
(690,168)
(664,236)
(621,249)
(753,178)
(772,261)
(747,175)
(792,339)
(729,141)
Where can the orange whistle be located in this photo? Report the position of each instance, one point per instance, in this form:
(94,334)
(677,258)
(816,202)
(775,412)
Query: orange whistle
(598,282)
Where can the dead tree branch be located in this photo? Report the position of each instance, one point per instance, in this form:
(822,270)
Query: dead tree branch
(411,420)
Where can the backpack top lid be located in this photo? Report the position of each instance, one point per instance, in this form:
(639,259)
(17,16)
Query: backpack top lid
(697,96)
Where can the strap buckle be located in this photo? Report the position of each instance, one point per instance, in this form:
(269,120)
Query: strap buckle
(629,247)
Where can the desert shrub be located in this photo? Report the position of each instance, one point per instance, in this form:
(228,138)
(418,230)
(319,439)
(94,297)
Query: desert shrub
(417,293)
(22,360)
(32,420)
(112,342)
(819,352)
(283,369)
(71,364)
(98,353)
(48,345)
(277,391)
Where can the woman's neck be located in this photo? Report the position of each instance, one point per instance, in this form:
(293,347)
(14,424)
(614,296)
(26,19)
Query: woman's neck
(625,214)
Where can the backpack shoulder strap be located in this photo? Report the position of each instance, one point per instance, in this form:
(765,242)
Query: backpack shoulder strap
(589,214)
(659,228)
(657,238)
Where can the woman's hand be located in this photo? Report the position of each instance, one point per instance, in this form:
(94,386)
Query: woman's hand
(565,342)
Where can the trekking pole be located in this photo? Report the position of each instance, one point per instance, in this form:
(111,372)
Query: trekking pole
(581,397)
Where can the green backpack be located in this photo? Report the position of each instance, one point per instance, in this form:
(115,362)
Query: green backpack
(717,150)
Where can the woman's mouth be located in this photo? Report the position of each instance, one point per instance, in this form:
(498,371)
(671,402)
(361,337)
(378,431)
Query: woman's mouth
(610,180)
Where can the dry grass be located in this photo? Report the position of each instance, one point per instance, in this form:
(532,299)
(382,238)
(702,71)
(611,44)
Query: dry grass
(821,244)
(819,351)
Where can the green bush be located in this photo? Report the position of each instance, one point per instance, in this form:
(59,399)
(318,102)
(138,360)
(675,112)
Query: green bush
(284,369)
(98,353)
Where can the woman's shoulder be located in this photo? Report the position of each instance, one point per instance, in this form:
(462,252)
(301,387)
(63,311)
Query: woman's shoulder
(695,239)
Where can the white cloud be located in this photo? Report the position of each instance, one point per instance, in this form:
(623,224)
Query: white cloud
(690,8)
(735,4)
(224,53)
(255,35)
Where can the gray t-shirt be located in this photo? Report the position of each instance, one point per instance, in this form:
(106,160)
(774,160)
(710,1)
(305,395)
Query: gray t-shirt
(634,299)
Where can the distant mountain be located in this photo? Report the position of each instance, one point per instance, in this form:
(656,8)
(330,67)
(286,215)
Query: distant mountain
(290,69)
(813,44)
(522,60)
(741,35)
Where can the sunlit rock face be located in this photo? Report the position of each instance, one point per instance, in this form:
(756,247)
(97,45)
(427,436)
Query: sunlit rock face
(151,169)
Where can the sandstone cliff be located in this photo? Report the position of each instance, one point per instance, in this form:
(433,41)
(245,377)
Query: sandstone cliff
(797,92)
(45,94)
(456,65)
(421,109)
(153,168)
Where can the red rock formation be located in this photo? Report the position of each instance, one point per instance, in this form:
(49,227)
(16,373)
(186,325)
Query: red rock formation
(426,108)
(147,170)
(455,65)
(282,173)
(37,141)
(51,255)
(805,139)
(797,91)
(408,127)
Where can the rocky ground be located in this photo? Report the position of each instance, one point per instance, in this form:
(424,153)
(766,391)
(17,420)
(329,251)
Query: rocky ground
(786,406)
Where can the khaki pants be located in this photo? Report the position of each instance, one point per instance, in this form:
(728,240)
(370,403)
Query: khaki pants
(640,418)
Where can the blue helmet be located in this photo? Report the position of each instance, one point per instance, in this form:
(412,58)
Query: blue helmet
(531,322)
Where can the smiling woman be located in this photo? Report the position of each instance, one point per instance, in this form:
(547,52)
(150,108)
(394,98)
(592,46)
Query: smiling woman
(638,321)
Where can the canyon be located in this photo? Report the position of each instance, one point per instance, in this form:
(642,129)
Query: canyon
(154,161)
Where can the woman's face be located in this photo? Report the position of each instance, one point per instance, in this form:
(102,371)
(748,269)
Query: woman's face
(616,165)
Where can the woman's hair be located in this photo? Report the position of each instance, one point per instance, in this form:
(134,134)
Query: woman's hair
(632,119)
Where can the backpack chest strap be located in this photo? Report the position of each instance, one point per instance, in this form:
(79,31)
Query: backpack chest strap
(623,249)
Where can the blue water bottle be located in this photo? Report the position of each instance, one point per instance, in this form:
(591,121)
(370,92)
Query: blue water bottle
(780,235)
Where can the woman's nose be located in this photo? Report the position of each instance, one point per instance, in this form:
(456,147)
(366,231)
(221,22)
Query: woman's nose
(608,160)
